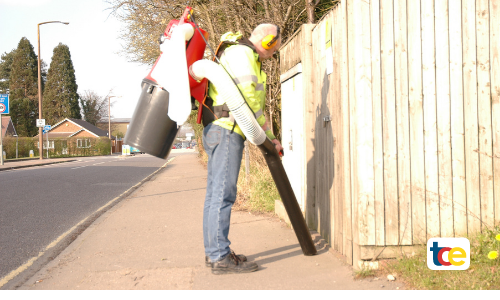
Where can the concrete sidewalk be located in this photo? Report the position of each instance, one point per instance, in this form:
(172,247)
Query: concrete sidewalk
(153,240)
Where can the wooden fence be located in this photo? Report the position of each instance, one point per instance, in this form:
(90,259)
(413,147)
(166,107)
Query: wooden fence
(401,121)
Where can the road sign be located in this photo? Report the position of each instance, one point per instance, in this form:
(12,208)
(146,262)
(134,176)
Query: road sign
(46,128)
(4,103)
(40,122)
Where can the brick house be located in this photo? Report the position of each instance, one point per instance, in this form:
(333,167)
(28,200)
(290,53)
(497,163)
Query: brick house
(80,132)
(7,126)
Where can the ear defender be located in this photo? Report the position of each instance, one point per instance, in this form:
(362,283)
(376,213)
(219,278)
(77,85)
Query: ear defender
(270,40)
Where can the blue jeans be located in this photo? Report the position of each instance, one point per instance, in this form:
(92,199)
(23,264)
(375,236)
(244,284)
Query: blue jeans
(225,150)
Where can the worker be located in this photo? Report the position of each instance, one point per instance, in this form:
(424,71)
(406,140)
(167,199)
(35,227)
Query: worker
(224,141)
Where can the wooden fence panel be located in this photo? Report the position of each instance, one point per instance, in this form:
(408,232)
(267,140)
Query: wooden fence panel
(430,128)
(457,120)
(322,197)
(344,141)
(402,117)
(484,113)
(444,119)
(495,99)
(309,118)
(378,151)
(416,123)
(470,109)
(389,122)
(336,80)
(362,126)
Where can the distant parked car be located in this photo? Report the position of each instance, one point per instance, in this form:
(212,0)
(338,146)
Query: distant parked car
(134,150)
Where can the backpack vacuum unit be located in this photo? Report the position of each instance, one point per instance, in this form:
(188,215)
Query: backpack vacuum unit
(165,102)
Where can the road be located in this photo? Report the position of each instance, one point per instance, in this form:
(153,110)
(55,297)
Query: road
(39,204)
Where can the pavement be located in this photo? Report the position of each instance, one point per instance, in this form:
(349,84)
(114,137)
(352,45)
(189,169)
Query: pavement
(152,240)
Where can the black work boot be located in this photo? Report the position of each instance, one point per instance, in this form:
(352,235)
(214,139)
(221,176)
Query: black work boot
(232,264)
(209,264)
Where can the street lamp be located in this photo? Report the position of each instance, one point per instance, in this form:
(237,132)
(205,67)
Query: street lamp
(109,123)
(17,140)
(40,131)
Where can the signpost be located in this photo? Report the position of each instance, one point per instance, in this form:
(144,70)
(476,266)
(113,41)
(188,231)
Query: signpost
(46,129)
(4,109)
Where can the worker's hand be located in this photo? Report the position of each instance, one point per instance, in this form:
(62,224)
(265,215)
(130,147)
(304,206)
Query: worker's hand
(278,146)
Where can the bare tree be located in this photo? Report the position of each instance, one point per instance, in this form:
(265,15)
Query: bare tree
(145,20)
(94,107)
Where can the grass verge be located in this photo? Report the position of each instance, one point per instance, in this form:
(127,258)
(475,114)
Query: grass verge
(483,273)
(256,190)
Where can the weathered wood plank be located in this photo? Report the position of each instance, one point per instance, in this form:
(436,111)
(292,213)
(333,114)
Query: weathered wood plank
(444,118)
(291,52)
(352,124)
(322,85)
(402,117)
(345,140)
(378,154)
(416,123)
(337,189)
(389,123)
(362,131)
(457,120)
(430,128)
(309,115)
(495,99)
(484,113)
(471,123)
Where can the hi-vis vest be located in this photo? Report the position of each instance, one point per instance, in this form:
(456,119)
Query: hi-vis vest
(242,63)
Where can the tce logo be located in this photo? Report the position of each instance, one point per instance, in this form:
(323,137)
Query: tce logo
(448,254)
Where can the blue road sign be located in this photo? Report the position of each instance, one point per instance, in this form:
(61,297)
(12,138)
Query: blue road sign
(4,103)
(46,128)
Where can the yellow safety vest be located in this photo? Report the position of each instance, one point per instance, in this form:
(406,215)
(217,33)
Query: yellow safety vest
(243,65)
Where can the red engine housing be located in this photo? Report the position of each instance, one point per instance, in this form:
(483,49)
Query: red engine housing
(195,48)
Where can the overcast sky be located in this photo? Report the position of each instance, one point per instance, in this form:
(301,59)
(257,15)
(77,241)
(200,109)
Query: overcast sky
(92,38)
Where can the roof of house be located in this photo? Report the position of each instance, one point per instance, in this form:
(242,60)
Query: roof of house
(6,120)
(84,125)
(89,127)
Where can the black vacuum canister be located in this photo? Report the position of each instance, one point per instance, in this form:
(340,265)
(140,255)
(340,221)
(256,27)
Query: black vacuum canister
(151,130)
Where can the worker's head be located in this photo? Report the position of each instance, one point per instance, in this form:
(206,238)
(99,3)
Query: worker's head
(267,40)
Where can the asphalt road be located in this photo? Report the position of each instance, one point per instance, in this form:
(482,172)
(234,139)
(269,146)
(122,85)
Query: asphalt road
(39,204)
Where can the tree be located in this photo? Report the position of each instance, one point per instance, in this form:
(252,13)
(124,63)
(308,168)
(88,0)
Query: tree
(60,97)
(145,20)
(94,107)
(5,66)
(23,88)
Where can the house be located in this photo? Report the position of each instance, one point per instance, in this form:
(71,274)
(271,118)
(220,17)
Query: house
(80,131)
(118,125)
(7,126)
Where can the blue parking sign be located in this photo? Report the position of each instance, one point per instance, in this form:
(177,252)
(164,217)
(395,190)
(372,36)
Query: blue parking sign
(4,103)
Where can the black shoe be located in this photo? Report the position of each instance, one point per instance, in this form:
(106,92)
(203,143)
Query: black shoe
(232,264)
(209,264)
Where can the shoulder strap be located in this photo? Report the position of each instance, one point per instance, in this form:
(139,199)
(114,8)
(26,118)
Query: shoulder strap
(224,44)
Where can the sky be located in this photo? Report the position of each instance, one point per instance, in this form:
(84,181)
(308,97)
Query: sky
(92,38)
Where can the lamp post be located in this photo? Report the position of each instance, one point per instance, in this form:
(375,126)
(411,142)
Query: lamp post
(109,123)
(17,141)
(40,132)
